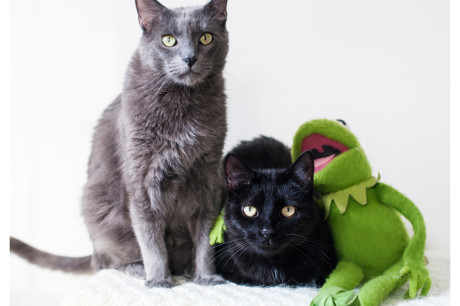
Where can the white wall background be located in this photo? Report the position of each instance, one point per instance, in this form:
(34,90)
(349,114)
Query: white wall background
(383,66)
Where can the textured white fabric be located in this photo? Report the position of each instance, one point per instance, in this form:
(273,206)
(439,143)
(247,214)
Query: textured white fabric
(110,287)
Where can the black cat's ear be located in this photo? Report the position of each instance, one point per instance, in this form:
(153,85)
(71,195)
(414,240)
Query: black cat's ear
(237,174)
(148,12)
(217,8)
(303,169)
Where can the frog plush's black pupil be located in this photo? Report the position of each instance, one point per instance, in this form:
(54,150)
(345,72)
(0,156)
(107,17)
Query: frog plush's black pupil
(341,121)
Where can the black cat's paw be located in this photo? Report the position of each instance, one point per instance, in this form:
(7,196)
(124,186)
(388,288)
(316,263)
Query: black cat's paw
(159,283)
(209,280)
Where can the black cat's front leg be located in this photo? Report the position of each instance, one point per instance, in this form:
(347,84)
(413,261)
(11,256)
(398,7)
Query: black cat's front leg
(149,226)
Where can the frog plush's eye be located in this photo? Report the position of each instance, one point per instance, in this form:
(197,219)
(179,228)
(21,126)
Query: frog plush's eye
(343,123)
(206,39)
(288,211)
(249,211)
(169,40)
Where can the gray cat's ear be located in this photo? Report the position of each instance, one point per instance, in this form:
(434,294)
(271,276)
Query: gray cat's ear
(217,8)
(237,173)
(303,169)
(148,12)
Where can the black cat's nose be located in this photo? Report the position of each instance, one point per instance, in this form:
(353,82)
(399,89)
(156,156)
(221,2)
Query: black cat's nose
(190,61)
(267,232)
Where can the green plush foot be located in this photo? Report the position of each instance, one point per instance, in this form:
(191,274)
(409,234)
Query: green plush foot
(336,296)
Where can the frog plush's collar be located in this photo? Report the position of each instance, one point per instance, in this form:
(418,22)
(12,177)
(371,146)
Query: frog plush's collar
(341,197)
(217,232)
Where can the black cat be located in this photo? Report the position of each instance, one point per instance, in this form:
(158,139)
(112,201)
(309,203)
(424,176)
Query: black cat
(275,232)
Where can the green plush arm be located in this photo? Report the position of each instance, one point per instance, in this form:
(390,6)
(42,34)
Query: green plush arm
(413,257)
(346,275)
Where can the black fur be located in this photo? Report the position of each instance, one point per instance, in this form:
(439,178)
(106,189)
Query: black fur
(300,250)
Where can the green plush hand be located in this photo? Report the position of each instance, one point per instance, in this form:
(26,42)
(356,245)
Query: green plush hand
(336,296)
(418,276)
(217,232)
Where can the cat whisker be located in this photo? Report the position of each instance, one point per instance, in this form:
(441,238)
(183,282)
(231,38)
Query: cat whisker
(222,251)
(235,82)
(227,242)
(149,82)
(237,254)
(240,248)
(314,249)
(295,247)
(309,239)
(319,242)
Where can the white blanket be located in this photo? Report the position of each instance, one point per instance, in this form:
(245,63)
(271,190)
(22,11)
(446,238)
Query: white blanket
(110,287)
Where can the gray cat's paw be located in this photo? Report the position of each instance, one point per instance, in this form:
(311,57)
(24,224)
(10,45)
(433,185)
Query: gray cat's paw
(136,270)
(209,280)
(162,283)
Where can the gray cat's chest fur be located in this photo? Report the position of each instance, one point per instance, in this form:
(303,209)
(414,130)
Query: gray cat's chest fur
(175,126)
(154,177)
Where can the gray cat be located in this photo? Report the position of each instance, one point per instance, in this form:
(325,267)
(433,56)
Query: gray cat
(154,177)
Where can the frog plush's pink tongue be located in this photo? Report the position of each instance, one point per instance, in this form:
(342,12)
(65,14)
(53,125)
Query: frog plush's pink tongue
(322,162)
(324,150)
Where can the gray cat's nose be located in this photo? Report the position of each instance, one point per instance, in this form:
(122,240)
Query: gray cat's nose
(190,61)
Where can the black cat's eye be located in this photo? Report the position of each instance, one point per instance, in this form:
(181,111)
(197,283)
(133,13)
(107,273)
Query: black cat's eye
(249,211)
(288,211)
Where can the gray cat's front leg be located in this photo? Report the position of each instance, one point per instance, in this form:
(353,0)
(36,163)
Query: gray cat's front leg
(204,272)
(149,226)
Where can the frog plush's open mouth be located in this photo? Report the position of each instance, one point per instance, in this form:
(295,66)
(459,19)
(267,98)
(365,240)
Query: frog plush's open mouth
(324,150)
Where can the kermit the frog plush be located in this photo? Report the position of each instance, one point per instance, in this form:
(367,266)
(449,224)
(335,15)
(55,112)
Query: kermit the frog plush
(371,241)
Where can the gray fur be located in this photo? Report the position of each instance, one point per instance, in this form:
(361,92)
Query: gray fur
(50,261)
(154,175)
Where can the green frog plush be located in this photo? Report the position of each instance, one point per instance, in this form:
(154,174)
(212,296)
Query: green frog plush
(371,241)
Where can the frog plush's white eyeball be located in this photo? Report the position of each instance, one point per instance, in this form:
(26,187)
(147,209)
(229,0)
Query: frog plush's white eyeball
(343,123)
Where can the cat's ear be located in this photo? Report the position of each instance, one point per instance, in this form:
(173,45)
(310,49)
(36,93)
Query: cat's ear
(148,12)
(303,169)
(218,8)
(237,173)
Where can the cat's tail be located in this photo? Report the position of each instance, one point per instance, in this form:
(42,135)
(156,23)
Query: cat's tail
(50,261)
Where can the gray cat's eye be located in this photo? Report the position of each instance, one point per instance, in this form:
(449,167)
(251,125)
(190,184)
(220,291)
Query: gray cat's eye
(206,39)
(169,40)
